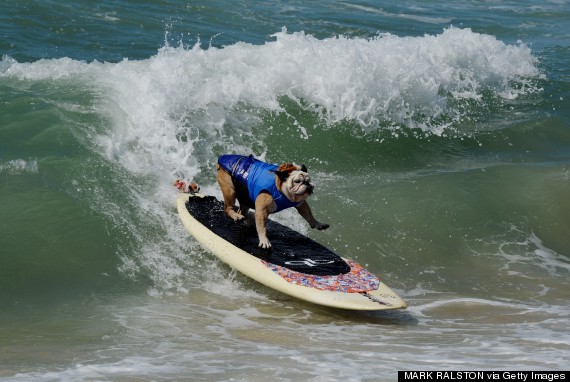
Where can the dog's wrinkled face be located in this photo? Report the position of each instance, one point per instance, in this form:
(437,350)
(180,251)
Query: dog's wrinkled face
(299,185)
(294,182)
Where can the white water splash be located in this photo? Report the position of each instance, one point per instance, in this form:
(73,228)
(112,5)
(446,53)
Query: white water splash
(19,166)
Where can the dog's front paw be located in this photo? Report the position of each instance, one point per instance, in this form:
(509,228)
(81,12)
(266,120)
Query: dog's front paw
(264,243)
(320,226)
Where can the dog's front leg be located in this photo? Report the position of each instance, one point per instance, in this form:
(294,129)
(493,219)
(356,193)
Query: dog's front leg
(307,214)
(264,205)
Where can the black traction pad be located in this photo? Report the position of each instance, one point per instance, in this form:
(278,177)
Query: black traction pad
(289,249)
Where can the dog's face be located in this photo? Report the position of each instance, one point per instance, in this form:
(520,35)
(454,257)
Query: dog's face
(294,182)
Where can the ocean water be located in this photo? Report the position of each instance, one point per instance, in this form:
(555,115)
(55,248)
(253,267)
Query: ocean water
(437,134)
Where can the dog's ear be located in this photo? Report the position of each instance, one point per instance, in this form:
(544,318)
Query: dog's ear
(304,168)
(284,170)
(282,174)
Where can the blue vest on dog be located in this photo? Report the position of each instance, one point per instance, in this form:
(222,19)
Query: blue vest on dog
(258,176)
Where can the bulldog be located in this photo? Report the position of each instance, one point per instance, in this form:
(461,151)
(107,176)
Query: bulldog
(267,188)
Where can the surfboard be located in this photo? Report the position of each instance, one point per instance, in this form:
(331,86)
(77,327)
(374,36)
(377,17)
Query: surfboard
(295,264)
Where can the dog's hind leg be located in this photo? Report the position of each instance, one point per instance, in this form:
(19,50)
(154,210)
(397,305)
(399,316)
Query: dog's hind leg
(229,193)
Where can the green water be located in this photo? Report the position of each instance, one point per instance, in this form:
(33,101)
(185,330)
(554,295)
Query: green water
(437,135)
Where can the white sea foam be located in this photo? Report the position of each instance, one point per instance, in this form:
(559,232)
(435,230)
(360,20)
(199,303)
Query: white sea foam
(523,254)
(102,371)
(163,108)
(385,79)
(19,166)
(537,253)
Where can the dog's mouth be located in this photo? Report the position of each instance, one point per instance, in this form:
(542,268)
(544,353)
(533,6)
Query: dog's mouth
(306,190)
(301,187)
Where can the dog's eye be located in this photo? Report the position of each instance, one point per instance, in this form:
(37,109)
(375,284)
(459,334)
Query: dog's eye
(298,181)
